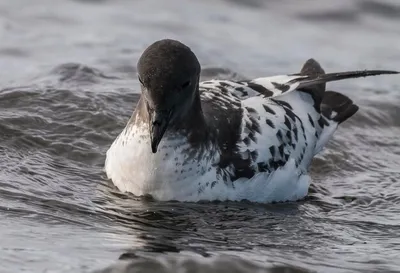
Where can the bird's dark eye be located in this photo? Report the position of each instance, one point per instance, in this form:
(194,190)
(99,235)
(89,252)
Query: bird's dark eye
(185,84)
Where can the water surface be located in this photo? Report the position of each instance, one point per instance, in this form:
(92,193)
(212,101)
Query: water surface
(68,86)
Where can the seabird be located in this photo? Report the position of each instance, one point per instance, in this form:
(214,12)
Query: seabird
(224,140)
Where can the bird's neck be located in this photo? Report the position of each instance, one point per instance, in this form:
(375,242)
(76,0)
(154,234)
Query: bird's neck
(192,124)
(193,115)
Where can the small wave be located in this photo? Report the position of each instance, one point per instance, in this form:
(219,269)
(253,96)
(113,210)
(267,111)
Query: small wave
(255,4)
(91,1)
(76,72)
(220,73)
(380,8)
(353,14)
(337,16)
(131,262)
(14,52)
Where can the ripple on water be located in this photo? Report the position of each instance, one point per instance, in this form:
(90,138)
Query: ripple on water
(131,263)
(56,128)
(52,135)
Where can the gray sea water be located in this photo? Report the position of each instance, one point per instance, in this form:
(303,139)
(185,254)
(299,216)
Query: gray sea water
(68,86)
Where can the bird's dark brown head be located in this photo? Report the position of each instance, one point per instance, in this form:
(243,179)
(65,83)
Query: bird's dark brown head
(169,75)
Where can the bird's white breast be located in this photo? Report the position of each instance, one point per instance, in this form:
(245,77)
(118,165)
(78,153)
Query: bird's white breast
(171,173)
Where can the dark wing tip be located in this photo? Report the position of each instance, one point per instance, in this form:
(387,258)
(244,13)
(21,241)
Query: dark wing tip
(339,103)
(312,68)
(366,73)
(391,71)
(343,75)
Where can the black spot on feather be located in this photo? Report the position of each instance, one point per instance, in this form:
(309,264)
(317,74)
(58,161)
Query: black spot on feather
(269,110)
(281,87)
(262,167)
(283,103)
(275,164)
(281,148)
(259,88)
(295,132)
(251,110)
(289,136)
(255,126)
(290,114)
(225,84)
(252,136)
(240,89)
(254,155)
(270,124)
(288,123)
(286,157)
(272,151)
(279,135)
(311,121)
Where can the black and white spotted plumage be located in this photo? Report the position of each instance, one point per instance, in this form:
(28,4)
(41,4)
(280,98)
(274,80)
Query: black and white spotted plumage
(271,130)
(281,119)
(236,140)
